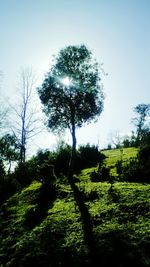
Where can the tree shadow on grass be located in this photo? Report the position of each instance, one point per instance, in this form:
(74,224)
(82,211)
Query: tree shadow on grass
(116,249)
(113,248)
(86,225)
(38,213)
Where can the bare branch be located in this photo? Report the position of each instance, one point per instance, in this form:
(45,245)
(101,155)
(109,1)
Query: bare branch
(27,122)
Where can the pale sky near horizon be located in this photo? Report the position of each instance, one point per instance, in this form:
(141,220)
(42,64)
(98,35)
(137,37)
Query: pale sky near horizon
(117,32)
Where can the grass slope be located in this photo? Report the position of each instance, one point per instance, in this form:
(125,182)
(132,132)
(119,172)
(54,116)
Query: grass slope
(81,224)
(124,154)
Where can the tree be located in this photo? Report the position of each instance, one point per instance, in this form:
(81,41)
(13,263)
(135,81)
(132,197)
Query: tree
(116,139)
(27,120)
(3,114)
(142,111)
(71,92)
(3,111)
(9,149)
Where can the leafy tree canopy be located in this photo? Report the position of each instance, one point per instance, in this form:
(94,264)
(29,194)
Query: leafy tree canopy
(9,149)
(71,91)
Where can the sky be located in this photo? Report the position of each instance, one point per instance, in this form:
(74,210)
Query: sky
(116,31)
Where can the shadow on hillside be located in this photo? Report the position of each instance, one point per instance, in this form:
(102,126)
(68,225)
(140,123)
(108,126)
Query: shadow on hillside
(37,214)
(116,249)
(86,225)
(113,248)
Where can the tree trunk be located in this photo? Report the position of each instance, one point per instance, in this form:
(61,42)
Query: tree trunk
(9,166)
(23,148)
(73,151)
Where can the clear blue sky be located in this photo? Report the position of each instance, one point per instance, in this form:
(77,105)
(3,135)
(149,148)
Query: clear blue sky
(118,33)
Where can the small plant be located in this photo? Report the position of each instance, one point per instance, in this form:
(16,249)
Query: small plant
(119,167)
(103,174)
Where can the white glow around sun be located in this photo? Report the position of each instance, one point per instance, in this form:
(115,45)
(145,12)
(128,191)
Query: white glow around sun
(66,81)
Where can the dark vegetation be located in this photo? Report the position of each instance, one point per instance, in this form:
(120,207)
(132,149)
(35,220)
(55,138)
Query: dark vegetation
(75,206)
(40,167)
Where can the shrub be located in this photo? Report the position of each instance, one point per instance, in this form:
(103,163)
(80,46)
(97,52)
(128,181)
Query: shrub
(119,167)
(62,158)
(137,169)
(42,156)
(144,154)
(103,174)
(131,172)
(46,174)
(8,186)
(89,156)
(144,159)
(25,173)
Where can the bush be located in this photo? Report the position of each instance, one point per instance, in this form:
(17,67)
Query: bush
(47,175)
(62,158)
(137,169)
(103,174)
(25,173)
(42,156)
(144,154)
(144,159)
(8,186)
(59,158)
(131,172)
(89,156)
(119,167)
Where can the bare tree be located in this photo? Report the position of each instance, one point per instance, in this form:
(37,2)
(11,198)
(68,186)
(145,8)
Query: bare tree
(26,123)
(115,139)
(3,113)
(3,109)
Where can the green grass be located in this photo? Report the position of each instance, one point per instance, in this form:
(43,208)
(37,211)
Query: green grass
(41,230)
(112,156)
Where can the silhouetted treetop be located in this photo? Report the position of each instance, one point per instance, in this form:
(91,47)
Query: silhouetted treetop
(81,94)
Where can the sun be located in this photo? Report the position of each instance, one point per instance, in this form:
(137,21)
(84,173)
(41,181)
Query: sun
(66,81)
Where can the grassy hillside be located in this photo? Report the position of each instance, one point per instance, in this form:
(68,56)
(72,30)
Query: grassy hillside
(114,155)
(77,224)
